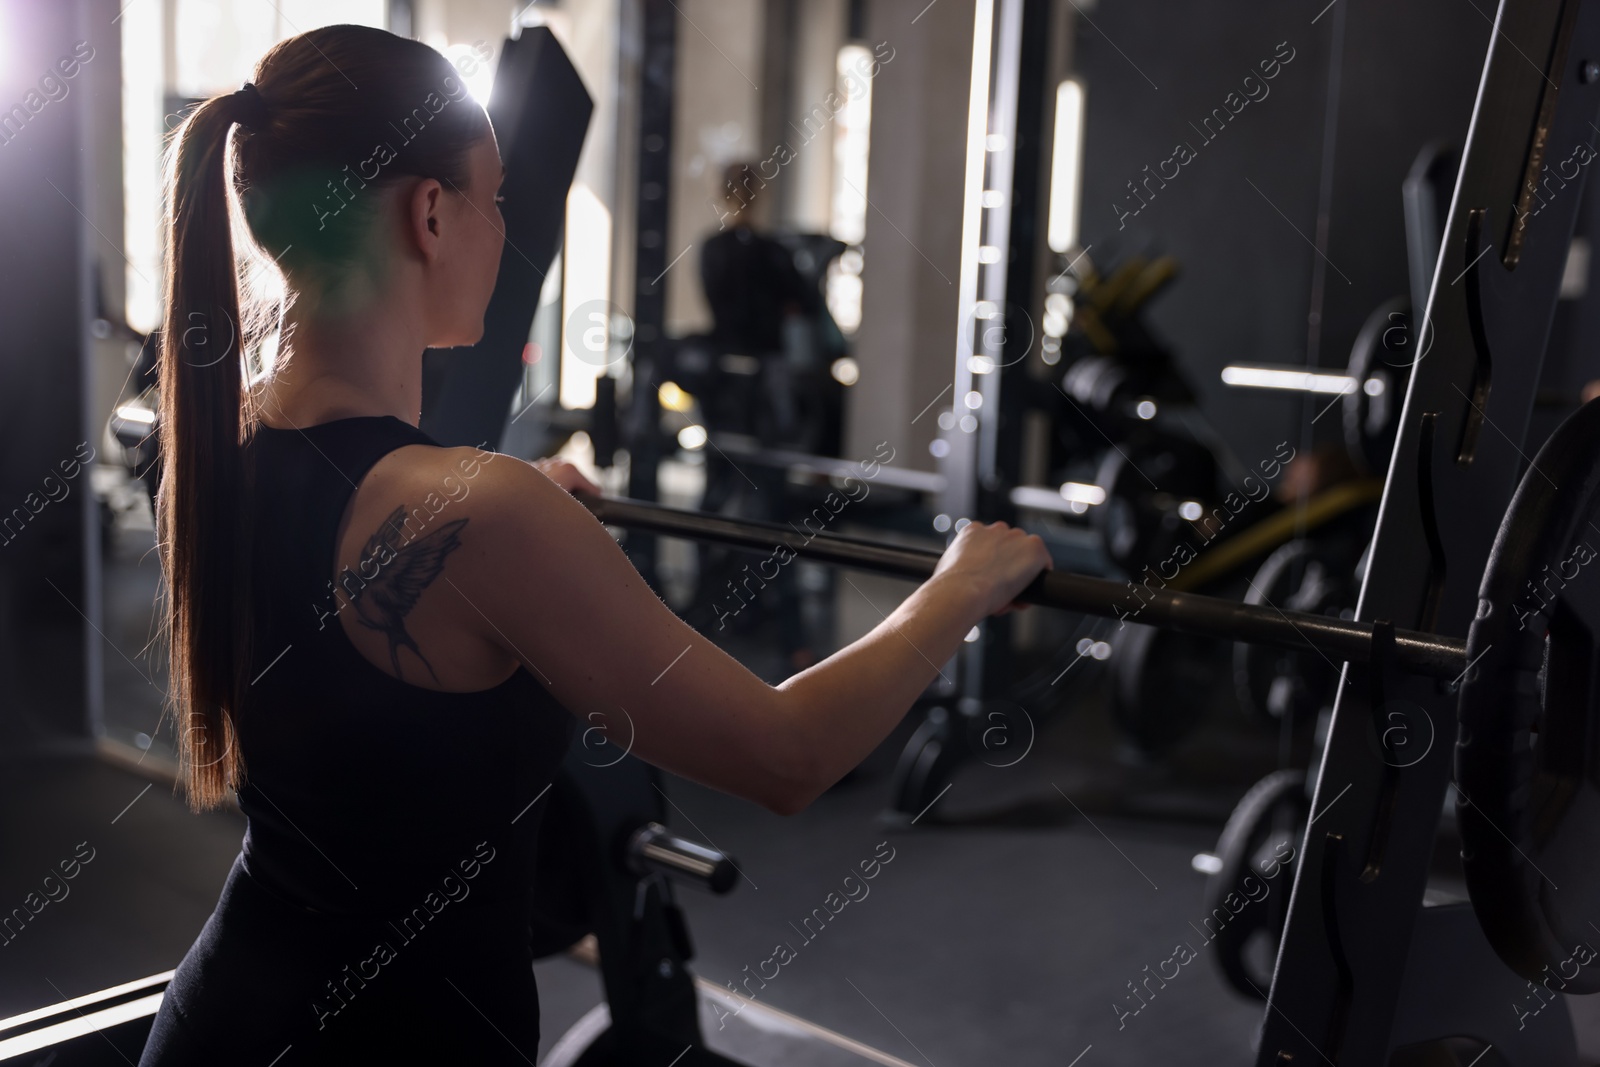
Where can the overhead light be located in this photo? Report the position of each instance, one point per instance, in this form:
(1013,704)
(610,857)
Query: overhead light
(1298,381)
(692,437)
(1083,493)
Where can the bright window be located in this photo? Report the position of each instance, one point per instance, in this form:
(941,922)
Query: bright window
(215,46)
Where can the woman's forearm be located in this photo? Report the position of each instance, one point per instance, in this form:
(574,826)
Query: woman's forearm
(844,706)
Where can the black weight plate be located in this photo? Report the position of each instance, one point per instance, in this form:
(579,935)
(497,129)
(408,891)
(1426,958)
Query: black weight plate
(1380,363)
(1144,483)
(1094,381)
(1299,576)
(1526,768)
(1161,681)
(1247,900)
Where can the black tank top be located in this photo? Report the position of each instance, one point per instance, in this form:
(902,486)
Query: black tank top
(368,797)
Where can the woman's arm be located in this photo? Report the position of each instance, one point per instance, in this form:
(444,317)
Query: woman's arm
(546,582)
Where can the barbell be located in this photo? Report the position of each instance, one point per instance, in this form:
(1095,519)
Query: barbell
(1528,746)
(1340,639)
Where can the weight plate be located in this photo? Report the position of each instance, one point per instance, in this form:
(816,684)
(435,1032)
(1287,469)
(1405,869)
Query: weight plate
(1300,576)
(1247,899)
(1093,382)
(1160,679)
(1528,796)
(1380,363)
(1145,483)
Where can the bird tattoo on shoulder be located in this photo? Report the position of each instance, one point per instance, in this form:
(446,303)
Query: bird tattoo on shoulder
(403,572)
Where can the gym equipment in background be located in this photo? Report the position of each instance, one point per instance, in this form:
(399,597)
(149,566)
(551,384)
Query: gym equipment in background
(1305,575)
(1258,845)
(607,867)
(1369,968)
(1526,775)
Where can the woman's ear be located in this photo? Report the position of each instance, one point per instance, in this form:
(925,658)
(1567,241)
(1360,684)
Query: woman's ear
(423,213)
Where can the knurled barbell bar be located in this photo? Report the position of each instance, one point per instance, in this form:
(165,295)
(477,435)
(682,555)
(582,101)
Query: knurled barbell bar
(1420,653)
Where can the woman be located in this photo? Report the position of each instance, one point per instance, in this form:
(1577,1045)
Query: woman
(383,645)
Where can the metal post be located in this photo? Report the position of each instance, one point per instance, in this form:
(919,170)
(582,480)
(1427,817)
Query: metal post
(657,67)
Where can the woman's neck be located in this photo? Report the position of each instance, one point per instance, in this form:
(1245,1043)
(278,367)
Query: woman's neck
(369,364)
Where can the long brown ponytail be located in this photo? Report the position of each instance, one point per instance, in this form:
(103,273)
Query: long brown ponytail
(202,420)
(322,100)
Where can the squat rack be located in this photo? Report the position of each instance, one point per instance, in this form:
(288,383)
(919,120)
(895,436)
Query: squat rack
(1366,967)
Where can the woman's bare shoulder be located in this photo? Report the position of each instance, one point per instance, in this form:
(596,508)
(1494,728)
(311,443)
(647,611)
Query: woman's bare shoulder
(438,529)
(507,502)
(451,474)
